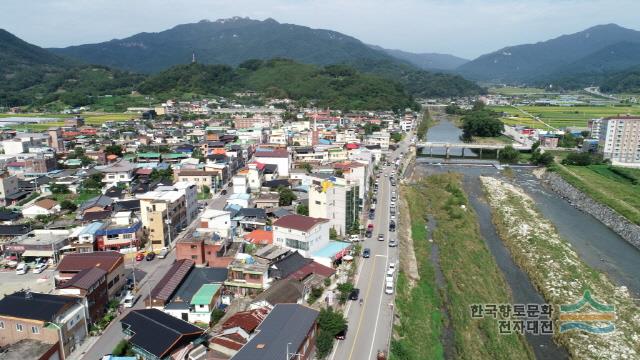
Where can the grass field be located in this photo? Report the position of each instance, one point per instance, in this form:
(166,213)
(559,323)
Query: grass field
(561,116)
(469,269)
(95,119)
(618,188)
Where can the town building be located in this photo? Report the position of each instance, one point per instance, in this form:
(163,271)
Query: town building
(620,140)
(51,319)
(279,157)
(303,233)
(110,261)
(332,198)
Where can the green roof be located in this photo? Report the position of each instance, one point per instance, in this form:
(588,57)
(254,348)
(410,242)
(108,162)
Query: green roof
(149,155)
(175,156)
(204,295)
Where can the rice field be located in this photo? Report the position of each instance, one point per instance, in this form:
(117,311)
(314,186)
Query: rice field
(508,91)
(561,116)
(94,119)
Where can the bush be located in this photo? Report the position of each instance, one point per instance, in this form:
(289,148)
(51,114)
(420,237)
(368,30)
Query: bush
(344,289)
(579,159)
(68,205)
(216,315)
(509,155)
(540,158)
(330,323)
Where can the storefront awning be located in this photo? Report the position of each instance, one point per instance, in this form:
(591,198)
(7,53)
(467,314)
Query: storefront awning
(37,253)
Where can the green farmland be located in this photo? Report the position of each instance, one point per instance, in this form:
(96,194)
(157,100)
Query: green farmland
(94,119)
(560,116)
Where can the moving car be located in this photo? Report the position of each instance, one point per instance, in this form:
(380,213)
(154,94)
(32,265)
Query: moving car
(150,256)
(342,334)
(355,294)
(22,268)
(40,267)
(368,234)
(223,192)
(388,288)
(380,237)
(163,253)
(366,253)
(140,256)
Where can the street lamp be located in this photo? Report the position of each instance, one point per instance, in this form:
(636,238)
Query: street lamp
(168,222)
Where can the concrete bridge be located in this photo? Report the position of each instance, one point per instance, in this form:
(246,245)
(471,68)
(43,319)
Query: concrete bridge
(447,146)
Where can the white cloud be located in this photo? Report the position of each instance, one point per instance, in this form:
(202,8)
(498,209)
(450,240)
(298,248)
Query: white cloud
(462,27)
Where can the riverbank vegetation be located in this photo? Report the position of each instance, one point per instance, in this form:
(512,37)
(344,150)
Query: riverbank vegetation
(470,273)
(560,275)
(616,187)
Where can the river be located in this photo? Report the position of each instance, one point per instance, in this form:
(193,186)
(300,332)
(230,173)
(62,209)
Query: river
(596,244)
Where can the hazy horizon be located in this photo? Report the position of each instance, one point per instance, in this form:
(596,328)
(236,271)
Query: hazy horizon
(464,28)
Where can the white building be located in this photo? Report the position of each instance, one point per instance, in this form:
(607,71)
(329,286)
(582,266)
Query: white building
(303,233)
(41,207)
(120,171)
(218,222)
(279,157)
(620,140)
(334,199)
(190,191)
(379,138)
(240,184)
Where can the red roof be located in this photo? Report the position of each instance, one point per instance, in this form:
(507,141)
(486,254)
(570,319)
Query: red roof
(352,146)
(16,164)
(144,171)
(298,222)
(247,320)
(312,268)
(260,237)
(106,260)
(259,165)
(276,153)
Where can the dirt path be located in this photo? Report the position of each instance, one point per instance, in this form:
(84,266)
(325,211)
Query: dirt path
(408,261)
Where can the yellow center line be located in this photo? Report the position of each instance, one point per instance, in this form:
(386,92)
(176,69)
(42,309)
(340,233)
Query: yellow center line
(363,307)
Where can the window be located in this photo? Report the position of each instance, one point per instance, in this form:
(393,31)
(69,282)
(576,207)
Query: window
(1,324)
(35,330)
(194,257)
(18,327)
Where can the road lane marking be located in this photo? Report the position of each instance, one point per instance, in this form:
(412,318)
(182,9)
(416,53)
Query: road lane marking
(364,306)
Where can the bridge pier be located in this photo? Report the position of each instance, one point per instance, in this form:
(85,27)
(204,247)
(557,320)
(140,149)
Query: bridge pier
(480,153)
(430,151)
(498,154)
(446,156)
(462,152)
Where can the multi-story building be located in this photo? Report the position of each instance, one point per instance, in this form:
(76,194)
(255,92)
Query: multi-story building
(212,179)
(118,172)
(279,157)
(594,126)
(620,139)
(111,262)
(123,230)
(8,187)
(217,222)
(303,233)
(55,138)
(380,138)
(204,249)
(333,198)
(163,211)
(51,319)
(247,275)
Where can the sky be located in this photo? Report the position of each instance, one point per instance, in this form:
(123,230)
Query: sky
(466,28)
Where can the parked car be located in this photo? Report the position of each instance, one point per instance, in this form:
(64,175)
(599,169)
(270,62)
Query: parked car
(388,288)
(163,253)
(366,252)
(380,237)
(368,234)
(40,267)
(140,256)
(128,300)
(22,268)
(392,243)
(150,256)
(389,276)
(392,266)
(223,192)
(130,284)
(354,238)
(342,334)
(355,294)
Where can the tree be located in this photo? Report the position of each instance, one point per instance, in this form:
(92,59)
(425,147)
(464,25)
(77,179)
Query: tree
(113,150)
(483,123)
(509,155)
(164,174)
(535,146)
(579,159)
(568,141)
(333,234)
(206,190)
(68,205)
(540,158)
(286,196)
(307,167)
(302,209)
(330,323)
(94,181)
(396,136)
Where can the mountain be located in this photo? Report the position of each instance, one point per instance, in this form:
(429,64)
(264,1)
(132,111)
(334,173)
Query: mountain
(526,63)
(426,61)
(225,41)
(34,76)
(335,86)
(623,82)
(233,41)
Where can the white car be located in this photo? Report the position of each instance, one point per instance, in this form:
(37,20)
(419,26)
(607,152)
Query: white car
(40,267)
(354,238)
(388,288)
(163,253)
(393,204)
(22,268)
(392,267)
(128,300)
(389,276)
(393,217)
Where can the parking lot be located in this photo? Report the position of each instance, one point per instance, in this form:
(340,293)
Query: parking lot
(12,282)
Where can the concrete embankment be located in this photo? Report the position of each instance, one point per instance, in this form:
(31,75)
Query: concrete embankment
(616,222)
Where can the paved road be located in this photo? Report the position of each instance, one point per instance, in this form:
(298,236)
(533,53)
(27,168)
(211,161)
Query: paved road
(370,323)
(147,274)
